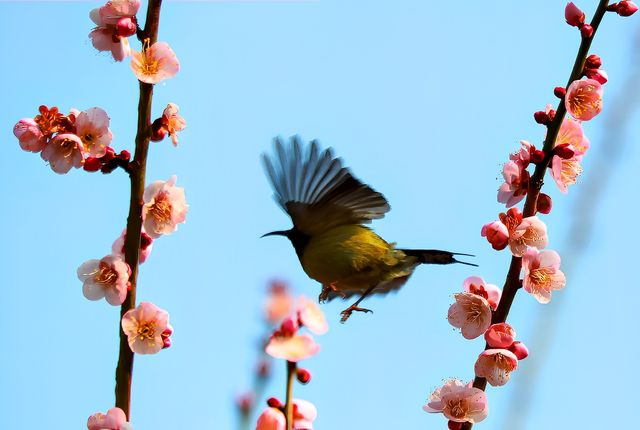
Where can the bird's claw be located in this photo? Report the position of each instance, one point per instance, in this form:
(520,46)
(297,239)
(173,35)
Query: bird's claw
(328,289)
(347,312)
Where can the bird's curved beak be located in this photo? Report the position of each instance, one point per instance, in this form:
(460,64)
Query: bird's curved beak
(276,233)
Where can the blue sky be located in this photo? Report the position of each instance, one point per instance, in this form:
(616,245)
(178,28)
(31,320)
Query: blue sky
(424,102)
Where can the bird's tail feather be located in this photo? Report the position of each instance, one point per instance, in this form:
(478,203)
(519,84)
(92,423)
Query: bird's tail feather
(436,256)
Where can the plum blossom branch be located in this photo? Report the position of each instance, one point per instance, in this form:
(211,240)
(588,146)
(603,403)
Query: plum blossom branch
(512,283)
(134,221)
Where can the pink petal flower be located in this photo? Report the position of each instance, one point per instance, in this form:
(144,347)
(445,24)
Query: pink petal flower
(294,348)
(29,135)
(173,122)
(155,64)
(106,278)
(146,245)
(114,419)
(111,12)
(271,419)
(574,16)
(92,127)
(64,152)
(542,274)
(495,365)
(523,156)
(500,335)
(470,313)
(571,134)
(515,186)
(165,207)
(104,39)
(530,232)
(304,414)
(476,285)
(565,172)
(311,316)
(497,234)
(144,326)
(584,99)
(279,302)
(458,402)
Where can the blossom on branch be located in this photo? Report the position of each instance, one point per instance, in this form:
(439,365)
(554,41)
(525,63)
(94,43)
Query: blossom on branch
(471,312)
(114,419)
(115,21)
(105,278)
(147,328)
(92,127)
(165,207)
(64,152)
(458,402)
(496,365)
(584,99)
(155,63)
(29,135)
(542,274)
(173,122)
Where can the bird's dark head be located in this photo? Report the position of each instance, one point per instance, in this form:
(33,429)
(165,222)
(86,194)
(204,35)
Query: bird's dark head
(298,239)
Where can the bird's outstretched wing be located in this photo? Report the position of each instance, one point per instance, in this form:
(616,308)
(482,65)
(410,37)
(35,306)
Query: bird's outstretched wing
(315,189)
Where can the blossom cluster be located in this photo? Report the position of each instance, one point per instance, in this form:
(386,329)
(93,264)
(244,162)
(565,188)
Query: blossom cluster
(286,343)
(477,310)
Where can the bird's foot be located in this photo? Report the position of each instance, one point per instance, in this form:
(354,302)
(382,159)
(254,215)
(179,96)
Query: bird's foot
(328,289)
(347,312)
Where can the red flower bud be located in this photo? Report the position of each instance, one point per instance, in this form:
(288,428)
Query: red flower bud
(124,155)
(519,349)
(626,8)
(274,403)
(109,155)
(564,151)
(126,26)
(289,327)
(544,204)
(500,335)
(158,131)
(574,15)
(92,164)
(537,156)
(593,62)
(541,117)
(559,92)
(145,240)
(303,375)
(454,425)
(597,74)
(586,31)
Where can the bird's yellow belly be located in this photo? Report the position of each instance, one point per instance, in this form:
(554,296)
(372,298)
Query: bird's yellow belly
(352,256)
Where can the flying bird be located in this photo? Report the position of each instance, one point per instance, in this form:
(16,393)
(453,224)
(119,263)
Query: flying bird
(328,207)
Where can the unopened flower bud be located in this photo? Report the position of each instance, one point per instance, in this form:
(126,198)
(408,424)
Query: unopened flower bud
(542,117)
(126,26)
(124,155)
(109,155)
(586,31)
(574,15)
(166,337)
(559,92)
(537,156)
(593,61)
(519,349)
(544,204)
(564,151)
(500,335)
(289,326)
(454,425)
(626,8)
(497,234)
(303,375)
(597,74)
(92,164)
(264,369)
(145,240)
(274,403)
(158,131)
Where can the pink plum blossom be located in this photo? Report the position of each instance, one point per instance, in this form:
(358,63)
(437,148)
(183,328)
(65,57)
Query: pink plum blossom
(458,402)
(279,302)
(516,183)
(584,99)
(173,122)
(29,135)
(292,348)
(542,274)
(496,365)
(92,127)
(530,232)
(497,234)
(114,419)
(155,63)
(115,21)
(64,152)
(144,327)
(571,134)
(311,316)
(565,172)
(476,285)
(271,419)
(573,15)
(146,244)
(165,207)
(500,335)
(106,278)
(471,313)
